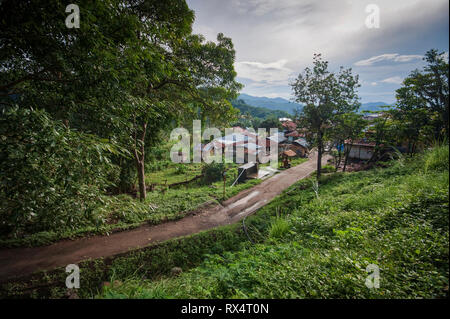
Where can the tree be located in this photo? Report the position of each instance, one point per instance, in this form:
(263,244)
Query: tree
(347,126)
(427,91)
(325,95)
(130,71)
(384,134)
(412,124)
(271,122)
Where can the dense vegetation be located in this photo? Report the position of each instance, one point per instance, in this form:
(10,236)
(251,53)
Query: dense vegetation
(258,112)
(331,112)
(84,109)
(317,243)
(106,212)
(85,120)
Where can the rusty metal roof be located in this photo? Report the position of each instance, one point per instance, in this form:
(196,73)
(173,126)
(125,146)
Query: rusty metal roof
(289,153)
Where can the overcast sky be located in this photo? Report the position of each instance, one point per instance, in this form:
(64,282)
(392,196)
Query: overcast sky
(276,39)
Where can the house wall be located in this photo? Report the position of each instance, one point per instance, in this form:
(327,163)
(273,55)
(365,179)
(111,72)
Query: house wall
(360,152)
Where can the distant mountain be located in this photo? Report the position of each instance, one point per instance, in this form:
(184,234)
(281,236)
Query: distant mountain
(372,106)
(277,103)
(259,112)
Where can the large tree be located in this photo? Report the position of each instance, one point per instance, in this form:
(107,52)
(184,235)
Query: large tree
(426,92)
(324,95)
(131,70)
(346,127)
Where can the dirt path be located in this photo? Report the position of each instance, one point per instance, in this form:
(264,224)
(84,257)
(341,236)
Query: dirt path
(24,261)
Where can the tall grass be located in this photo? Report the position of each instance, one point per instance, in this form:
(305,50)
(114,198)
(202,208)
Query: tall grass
(279,227)
(396,218)
(438,158)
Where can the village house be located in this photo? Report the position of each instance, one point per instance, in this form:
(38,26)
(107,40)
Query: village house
(360,149)
(300,147)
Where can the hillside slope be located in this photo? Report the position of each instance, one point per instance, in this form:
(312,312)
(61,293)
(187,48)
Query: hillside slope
(318,244)
(258,112)
(270,103)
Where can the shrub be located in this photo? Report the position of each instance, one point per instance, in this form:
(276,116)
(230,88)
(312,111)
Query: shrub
(328,169)
(180,169)
(51,176)
(437,159)
(212,172)
(279,228)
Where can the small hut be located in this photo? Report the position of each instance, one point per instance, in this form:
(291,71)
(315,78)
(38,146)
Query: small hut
(286,155)
(249,170)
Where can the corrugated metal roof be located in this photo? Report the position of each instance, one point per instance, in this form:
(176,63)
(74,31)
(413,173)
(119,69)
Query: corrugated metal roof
(279,137)
(302,142)
(289,153)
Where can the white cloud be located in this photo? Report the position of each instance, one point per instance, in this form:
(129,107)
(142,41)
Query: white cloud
(264,31)
(208,32)
(264,74)
(393,80)
(393,57)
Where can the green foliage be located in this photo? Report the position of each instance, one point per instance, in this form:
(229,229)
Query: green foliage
(212,172)
(328,169)
(258,112)
(396,218)
(437,159)
(423,100)
(52,177)
(181,169)
(269,123)
(279,227)
(146,264)
(122,212)
(129,73)
(326,96)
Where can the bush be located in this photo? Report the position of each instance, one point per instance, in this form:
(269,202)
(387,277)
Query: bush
(180,169)
(51,176)
(212,172)
(279,228)
(328,169)
(396,218)
(437,159)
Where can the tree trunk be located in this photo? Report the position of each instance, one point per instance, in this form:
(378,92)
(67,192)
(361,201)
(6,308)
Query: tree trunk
(338,163)
(346,157)
(141,178)
(140,164)
(319,155)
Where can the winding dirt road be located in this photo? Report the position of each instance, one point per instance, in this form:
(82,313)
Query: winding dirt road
(17,262)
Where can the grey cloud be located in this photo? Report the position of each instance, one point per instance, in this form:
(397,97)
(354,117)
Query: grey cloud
(265,32)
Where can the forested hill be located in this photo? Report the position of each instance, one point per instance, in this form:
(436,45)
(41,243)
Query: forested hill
(258,112)
(277,103)
(372,106)
(284,105)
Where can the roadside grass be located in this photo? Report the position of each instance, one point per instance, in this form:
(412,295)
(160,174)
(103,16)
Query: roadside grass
(395,218)
(121,212)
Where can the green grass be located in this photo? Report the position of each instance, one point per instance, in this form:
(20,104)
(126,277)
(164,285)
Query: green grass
(123,212)
(437,159)
(396,218)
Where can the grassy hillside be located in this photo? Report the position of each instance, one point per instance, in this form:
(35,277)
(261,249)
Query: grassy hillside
(120,212)
(317,242)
